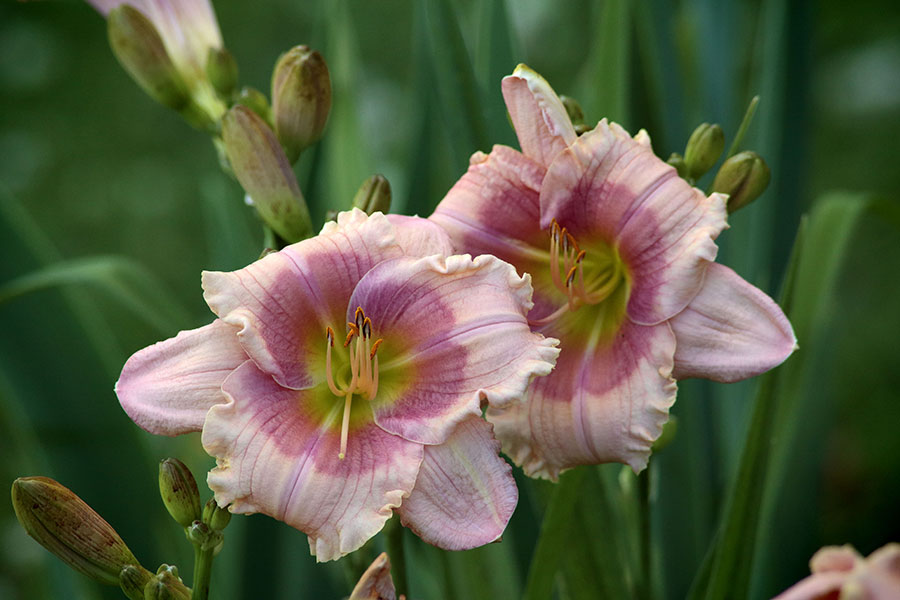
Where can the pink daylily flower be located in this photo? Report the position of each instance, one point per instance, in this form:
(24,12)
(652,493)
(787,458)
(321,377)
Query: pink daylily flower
(840,571)
(344,379)
(621,253)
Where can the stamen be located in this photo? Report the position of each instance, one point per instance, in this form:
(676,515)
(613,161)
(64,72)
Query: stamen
(359,317)
(345,425)
(375,348)
(329,336)
(367,328)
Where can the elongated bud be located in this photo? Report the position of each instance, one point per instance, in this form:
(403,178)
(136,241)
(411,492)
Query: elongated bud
(301,99)
(744,177)
(166,585)
(141,52)
(256,101)
(373,195)
(179,491)
(264,172)
(133,580)
(216,517)
(222,71)
(703,149)
(66,526)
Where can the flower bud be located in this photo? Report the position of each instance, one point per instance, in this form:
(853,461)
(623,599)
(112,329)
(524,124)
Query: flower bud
(677,161)
(744,177)
(222,71)
(256,101)
(703,149)
(133,580)
(66,526)
(376,582)
(205,537)
(166,585)
(179,491)
(263,170)
(216,517)
(142,53)
(670,428)
(301,99)
(373,195)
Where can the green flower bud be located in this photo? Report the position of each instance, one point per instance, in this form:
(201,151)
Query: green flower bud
(141,52)
(264,172)
(166,585)
(373,195)
(703,149)
(179,491)
(256,101)
(222,71)
(573,109)
(216,517)
(66,526)
(677,161)
(744,177)
(133,580)
(205,537)
(301,99)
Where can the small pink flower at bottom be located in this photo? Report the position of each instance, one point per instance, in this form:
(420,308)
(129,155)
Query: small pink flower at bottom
(344,379)
(841,572)
(621,254)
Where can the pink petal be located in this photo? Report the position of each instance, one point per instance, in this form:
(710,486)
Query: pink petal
(277,453)
(819,586)
(465,493)
(606,401)
(612,188)
(539,117)
(835,558)
(495,209)
(376,582)
(454,334)
(730,330)
(283,302)
(167,388)
(420,237)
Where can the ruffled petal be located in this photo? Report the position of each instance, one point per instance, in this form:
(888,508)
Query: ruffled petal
(465,493)
(495,209)
(538,115)
(283,302)
(606,402)
(730,331)
(277,453)
(376,582)
(610,187)
(454,334)
(819,586)
(420,237)
(167,388)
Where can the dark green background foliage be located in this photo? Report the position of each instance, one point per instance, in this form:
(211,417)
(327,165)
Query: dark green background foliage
(110,206)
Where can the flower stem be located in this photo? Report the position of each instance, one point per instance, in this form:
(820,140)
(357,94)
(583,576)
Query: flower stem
(646,556)
(393,533)
(202,572)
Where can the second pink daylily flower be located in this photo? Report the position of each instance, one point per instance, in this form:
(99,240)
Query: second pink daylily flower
(344,379)
(621,253)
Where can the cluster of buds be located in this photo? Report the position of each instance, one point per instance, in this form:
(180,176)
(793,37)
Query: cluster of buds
(174,51)
(743,177)
(68,527)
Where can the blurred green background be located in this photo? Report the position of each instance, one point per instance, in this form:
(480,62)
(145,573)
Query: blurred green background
(118,199)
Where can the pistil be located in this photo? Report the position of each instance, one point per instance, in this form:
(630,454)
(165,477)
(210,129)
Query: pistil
(363,368)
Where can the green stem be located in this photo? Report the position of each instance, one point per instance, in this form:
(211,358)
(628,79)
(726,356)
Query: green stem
(394,536)
(646,556)
(202,572)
